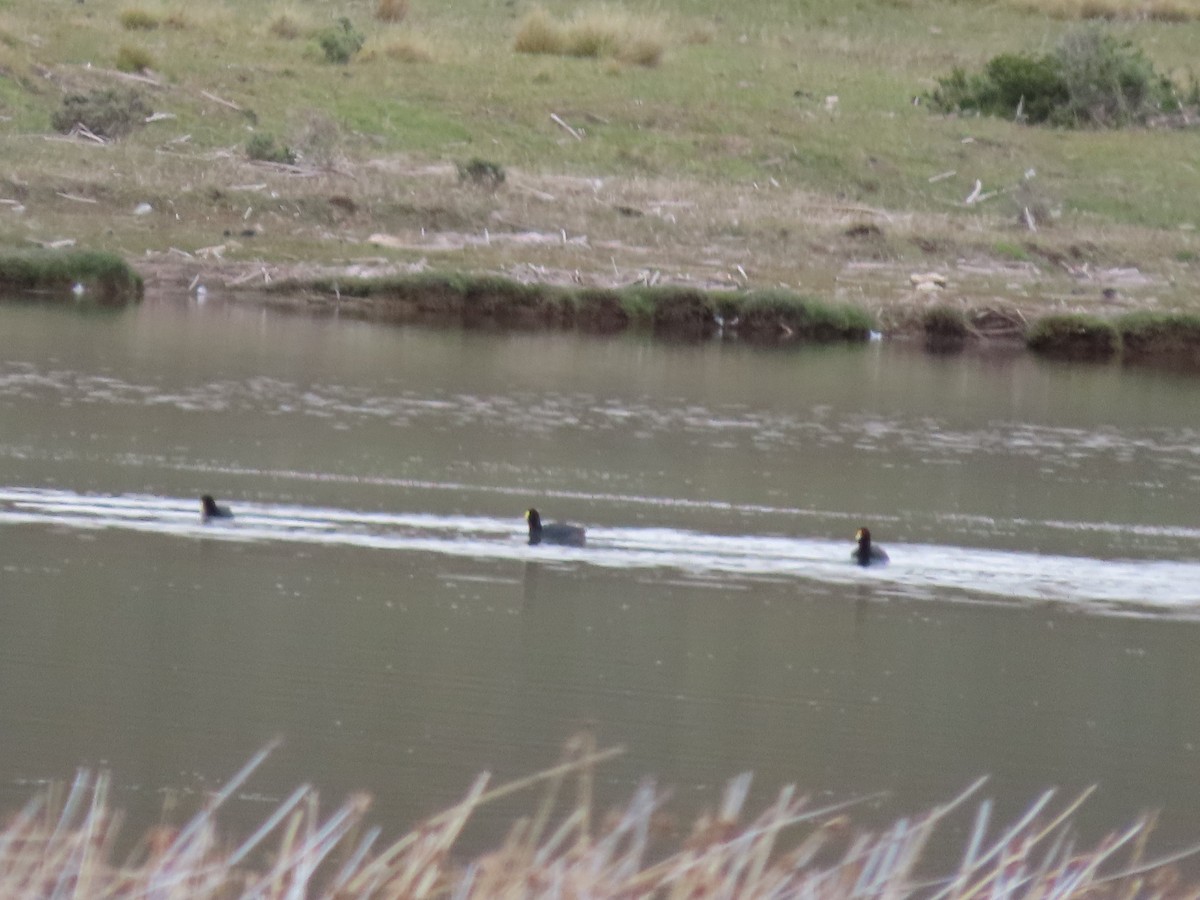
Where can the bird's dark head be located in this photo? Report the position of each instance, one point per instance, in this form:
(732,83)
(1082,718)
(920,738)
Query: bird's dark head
(863,536)
(535,526)
(208,505)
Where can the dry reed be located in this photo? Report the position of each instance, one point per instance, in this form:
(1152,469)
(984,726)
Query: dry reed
(62,846)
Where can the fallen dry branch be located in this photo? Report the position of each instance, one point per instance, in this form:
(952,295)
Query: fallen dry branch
(228,104)
(558,120)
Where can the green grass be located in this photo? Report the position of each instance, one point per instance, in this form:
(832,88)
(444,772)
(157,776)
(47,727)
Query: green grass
(1009,250)
(138,20)
(133,59)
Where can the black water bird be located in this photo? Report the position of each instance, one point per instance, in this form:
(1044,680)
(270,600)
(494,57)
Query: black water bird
(210,510)
(553,533)
(866,553)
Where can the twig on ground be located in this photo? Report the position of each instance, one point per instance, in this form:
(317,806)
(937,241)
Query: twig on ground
(558,121)
(229,104)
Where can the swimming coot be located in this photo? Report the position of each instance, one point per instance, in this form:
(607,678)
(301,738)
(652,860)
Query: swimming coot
(210,510)
(866,553)
(554,533)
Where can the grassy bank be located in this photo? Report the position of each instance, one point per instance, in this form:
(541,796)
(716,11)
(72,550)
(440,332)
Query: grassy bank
(1170,340)
(777,147)
(773,318)
(1074,337)
(669,311)
(78,276)
(61,844)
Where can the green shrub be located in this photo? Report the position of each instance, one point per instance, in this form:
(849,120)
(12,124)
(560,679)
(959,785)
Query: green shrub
(1110,83)
(481,173)
(138,20)
(1008,84)
(110,113)
(1033,84)
(340,42)
(262,147)
(133,59)
(1090,79)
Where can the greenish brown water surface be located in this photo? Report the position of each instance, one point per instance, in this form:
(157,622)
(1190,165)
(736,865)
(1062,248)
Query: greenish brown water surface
(375,603)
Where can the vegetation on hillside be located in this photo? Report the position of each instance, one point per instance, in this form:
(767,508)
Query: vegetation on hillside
(778,148)
(1089,79)
(106,113)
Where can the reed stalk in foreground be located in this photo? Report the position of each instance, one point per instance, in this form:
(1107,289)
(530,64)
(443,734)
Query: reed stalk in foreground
(62,846)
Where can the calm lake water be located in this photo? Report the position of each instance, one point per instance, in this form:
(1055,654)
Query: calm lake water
(374,601)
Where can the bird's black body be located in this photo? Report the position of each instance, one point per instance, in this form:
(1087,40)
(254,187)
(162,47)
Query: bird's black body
(866,553)
(554,532)
(210,510)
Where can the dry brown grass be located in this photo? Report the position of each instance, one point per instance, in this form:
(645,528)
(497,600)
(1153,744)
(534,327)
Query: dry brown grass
(604,32)
(63,846)
(391,11)
(290,23)
(318,138)
(539,33)
(133,59)
(406,47)
(177,19)
(700,33)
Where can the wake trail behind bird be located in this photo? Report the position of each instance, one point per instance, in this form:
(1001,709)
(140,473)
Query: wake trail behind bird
(916,570)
